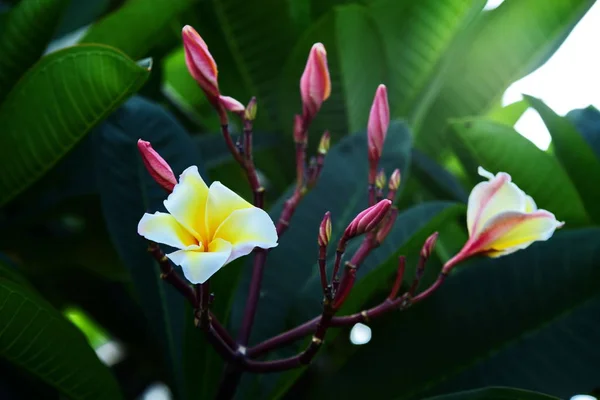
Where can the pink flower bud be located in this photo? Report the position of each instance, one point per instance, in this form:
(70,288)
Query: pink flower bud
(232,104)
(325,230)
(200,63)
(387,225)
(368,219)
(315,85)
(379,120)
(394,180)
(160,171)
(429,245)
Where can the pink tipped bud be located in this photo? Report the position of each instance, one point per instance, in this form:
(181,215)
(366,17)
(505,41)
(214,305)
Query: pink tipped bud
(160,171)
(380,180)
(251,109)
(232,104)
(429,245)
(315,85)
(200,62)
(299,131)
(324,143)
(379,120)
(368,219)
(325,230)
(394,180)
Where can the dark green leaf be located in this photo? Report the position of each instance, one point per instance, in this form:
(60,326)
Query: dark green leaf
(441,182)
(55,104)
(127,191)
(349,33)
(575,155)
(215,152)
(527,320)
(24,33)
(37,338)
(587,121)
(81,13)
(495,393)
(497,147)
(137,26)
(495,58)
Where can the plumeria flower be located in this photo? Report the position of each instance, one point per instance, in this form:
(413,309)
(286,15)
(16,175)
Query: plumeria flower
(502,219)
(210,226)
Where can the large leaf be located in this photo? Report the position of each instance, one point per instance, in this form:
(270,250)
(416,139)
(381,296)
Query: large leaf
(495,393)
(421,38)
(24,33)
(349,33)
(496,57)
(575,155)
(37,338)
(498,147)
(587,121)
(137,26)
(127,191)
(55,104)
(437,179)
(493,322)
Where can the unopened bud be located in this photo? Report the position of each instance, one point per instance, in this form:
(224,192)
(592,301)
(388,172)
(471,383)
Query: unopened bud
(232,105)
(251,109)
(158,168)
(200,63)
(324,143)
(380,180)
(325,230)
(379,120)
(394,180)
(315,84)
(368,219)
(429,245)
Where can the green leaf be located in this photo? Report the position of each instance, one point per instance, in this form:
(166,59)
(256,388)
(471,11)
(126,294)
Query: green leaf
(137,26)
(127,191)
(37,338)
(497,147)
(495,393)
(350,36)
(55,104)
(494,58)
(493,322)
(510,114)
(441,182)
(575,155)
(587,121)
(215,152)
(421,39)
(24,33)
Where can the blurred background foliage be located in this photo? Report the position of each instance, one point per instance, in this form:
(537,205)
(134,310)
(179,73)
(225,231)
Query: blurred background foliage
(81,81)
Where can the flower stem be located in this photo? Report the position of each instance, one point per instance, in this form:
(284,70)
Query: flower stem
(253,294)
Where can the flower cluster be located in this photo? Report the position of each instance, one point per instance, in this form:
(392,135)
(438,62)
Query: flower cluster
(210,226)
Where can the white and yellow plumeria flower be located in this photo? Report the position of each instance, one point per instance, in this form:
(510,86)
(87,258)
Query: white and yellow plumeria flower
(210,226)
(502,219)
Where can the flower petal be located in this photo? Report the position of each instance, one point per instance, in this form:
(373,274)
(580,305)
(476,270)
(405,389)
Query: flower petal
(221,202)
(198,266)
(511,231)
(488,199)
(187,202)
(530,205)
(247,229)
(164,228)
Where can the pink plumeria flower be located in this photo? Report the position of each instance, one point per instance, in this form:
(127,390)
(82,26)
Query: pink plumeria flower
(502,219)
(210,226)
(315,84)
